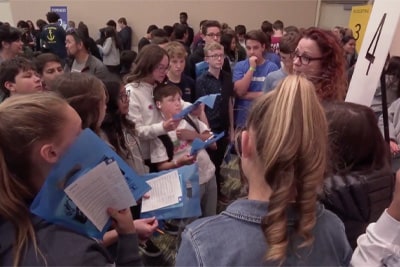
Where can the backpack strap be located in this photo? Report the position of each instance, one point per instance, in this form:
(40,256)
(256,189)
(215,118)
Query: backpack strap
(169,146)
(192,123)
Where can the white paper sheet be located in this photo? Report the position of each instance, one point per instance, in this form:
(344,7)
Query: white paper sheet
(165,191)
(102,187)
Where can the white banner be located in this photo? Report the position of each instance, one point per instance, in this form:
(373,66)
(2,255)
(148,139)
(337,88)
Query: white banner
(378,38)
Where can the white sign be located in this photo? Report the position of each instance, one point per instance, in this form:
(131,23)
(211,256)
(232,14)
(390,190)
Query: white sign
(378,38)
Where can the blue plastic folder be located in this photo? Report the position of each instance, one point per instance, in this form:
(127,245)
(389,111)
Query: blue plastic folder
(200,68)
(208,100)
(53,205)
(198,144)
(189,206)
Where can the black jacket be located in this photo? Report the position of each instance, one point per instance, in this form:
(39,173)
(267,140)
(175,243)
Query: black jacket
(62,247)
(358,198)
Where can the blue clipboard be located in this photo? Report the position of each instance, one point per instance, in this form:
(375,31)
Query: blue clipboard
(190,204)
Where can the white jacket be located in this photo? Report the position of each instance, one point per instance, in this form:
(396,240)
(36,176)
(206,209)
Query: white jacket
(380,245)
(145,115)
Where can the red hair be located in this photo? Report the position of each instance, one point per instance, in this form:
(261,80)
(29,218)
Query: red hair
(332,84)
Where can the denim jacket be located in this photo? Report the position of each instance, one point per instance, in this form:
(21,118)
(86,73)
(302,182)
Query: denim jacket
(235,238)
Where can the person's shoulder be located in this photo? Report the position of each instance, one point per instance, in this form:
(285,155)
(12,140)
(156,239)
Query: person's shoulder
(67,247)
(204,225)
(242,64)
(276,74)
(327,218)
(187,79)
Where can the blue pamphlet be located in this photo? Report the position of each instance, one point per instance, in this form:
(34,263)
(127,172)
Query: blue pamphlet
(198,144)
(200,68)
(208,100)
(189,206)
(52,203)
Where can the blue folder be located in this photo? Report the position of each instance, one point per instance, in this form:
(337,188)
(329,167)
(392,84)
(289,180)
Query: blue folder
(53,205)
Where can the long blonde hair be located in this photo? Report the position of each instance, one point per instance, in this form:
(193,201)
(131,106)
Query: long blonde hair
(291,142)
(24,120)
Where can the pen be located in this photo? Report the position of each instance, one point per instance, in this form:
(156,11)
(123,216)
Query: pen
(160,231)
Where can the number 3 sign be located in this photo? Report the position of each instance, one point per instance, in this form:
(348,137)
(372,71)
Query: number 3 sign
(358,22)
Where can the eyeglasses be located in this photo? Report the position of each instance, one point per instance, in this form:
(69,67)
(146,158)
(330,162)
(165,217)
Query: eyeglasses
(213,35)
(162,68)
(304,60)
(124,97)
(217,56)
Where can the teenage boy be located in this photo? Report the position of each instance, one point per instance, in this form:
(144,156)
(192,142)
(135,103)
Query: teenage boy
(287,46)
(125,34)
(52,37)
(145,40)
(249,74)
(220,118)
(177,60)
(211,32)
(168,100)
(183,17)
(18,76)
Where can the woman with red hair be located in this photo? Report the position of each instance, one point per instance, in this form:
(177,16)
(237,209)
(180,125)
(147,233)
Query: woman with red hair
(319,57)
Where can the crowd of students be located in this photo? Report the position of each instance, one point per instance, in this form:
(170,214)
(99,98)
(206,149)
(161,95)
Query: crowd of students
(317,169)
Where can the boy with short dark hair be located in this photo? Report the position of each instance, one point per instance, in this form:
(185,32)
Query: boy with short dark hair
(210,32)
(168,101)
(18,76)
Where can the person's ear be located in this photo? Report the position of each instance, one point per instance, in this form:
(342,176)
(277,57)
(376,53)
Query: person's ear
(246,144)
(10,86)
(5,45)
(49,153)
(158,104)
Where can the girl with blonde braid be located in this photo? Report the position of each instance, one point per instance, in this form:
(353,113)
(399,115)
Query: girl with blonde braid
(283,153)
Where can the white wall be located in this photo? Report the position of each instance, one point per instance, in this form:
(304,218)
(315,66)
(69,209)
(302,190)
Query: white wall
(141,13)
(5,12)
(333,15)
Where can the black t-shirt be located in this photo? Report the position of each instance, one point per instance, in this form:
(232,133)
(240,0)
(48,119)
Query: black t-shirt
(187,86)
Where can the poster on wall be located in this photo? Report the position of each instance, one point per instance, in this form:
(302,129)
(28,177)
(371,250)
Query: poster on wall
(378,38)
(358,22)
(62,12)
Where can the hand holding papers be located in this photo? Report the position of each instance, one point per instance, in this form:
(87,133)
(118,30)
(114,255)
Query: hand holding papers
(189,203)
(84,155)
(165,191)
(102,187)
(208,100)
(198,144)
